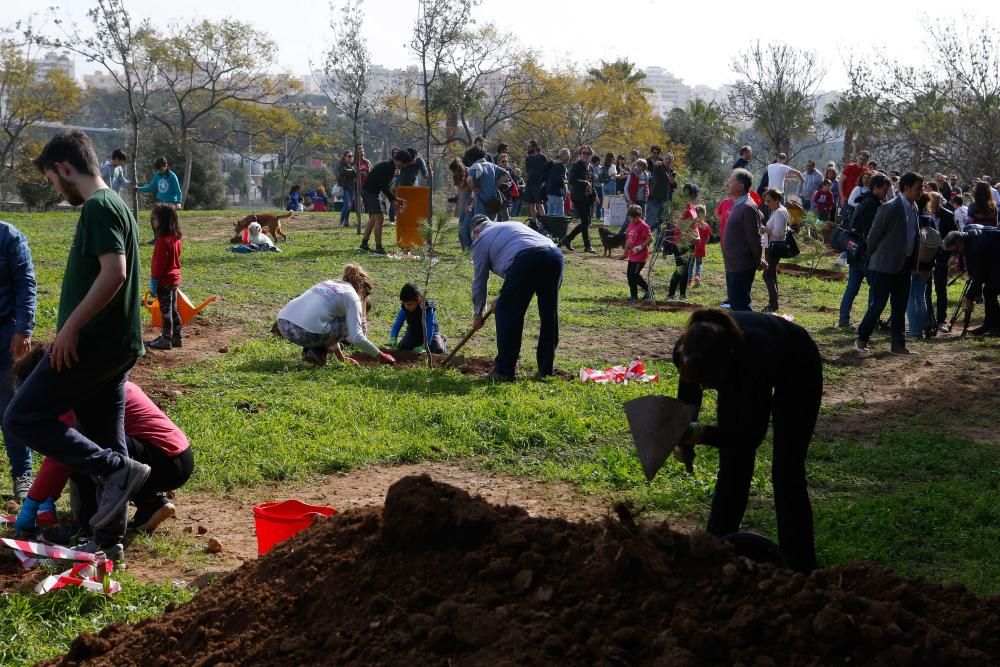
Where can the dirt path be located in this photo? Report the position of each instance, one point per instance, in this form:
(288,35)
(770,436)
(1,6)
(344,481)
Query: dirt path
(229,519)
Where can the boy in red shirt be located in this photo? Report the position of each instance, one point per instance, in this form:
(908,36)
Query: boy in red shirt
(638,236)
(704,233)
(165,275)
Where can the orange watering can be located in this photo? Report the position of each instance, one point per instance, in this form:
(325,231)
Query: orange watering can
(185,308)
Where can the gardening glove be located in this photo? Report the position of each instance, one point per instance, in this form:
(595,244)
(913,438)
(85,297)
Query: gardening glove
(47,513)
(26,517)
(153,285)
(386,358)
(419,349)
(394,342)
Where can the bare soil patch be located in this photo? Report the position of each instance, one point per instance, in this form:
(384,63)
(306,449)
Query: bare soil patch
(201,340)
(439,577)
(809,272)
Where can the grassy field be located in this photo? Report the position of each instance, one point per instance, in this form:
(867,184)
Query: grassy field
(909,494)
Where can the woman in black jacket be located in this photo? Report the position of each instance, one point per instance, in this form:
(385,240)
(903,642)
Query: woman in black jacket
(983,209)
(347,179)
(581,193)
(765,369)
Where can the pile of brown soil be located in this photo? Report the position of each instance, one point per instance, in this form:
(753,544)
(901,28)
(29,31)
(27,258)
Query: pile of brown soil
(439,577)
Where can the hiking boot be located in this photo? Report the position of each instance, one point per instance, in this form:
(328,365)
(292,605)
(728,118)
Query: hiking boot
(68,534)
(148,517)
(379,250)
(364,247)
(21,485)
(176,340)
(115,490)
(861,346)
(590,251)
(901,350)
(113,552)
(159,343)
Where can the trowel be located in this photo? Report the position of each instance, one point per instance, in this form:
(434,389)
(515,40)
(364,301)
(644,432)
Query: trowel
(658,424)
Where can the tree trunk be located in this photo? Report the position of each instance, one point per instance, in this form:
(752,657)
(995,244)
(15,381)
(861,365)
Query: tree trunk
(357,180)
(135,165)
(188,159)
(848,146)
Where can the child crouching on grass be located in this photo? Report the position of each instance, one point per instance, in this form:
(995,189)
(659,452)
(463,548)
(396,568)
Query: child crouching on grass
(165,275)
(638,236)
(411,304)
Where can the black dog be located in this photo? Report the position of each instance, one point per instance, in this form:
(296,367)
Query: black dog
(610,240)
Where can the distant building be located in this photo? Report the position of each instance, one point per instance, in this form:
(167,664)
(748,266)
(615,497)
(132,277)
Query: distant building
(669,92)
(52,62)
(100,80)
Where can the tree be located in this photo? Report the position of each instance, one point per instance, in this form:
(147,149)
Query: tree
(703,129)
(205,66)
(296,135)
(850,113)
(28,98)
(436,34)
(776,91)
(123,50)
(237,182)
(944,115)
(620,71)
(347,77)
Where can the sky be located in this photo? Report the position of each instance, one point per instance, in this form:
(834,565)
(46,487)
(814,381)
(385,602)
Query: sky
(696,41)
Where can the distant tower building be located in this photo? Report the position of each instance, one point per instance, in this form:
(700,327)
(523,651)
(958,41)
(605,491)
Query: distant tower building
(53,61)
(669,92)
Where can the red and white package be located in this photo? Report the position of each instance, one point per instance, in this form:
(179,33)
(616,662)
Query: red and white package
(92,571)
(634,372)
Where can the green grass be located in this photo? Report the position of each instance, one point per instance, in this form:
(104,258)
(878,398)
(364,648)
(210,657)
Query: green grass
(919,502)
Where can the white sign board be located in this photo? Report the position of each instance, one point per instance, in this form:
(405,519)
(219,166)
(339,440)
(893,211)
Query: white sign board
(617,210)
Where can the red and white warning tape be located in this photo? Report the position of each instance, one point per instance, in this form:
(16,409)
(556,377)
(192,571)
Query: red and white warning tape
(634,372)
(92,571)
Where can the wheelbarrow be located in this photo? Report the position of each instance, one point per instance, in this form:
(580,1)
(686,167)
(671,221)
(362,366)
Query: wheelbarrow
(185,308)
(555,226)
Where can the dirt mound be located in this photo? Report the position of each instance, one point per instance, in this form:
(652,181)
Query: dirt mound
(440,577)
(809,272)
(662,306)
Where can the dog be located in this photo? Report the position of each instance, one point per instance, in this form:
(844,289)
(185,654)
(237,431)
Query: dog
(270,222)
(610,240)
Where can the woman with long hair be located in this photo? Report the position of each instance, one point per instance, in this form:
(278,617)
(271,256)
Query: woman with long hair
(982,210)
(347,179)
(459,178)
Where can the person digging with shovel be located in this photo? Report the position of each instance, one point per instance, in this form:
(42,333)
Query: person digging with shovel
(765,369)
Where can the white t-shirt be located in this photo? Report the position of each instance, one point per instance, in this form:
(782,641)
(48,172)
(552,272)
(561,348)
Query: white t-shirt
(961,216)
(858,190)
(777,226)
(316,309)
(996,195)
(776,175)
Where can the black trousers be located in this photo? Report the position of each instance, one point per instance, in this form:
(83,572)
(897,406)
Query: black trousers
(793,410)
(635,280)
(166,295)
(584,208)
(940,280)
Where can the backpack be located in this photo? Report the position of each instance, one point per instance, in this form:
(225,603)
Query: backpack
(603,176)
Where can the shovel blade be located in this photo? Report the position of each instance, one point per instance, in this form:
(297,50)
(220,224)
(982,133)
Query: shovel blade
(657,424)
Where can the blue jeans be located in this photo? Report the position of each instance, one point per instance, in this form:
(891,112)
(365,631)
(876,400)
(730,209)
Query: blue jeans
(415,338)
(891,288)
(653,211)
(465,230)
(345,211)
(609,188)
(94,389)
(738,285)
(555,205)
(515,207)
(855,276)
(534,272)
(694,268)
(18,453)
(916,308)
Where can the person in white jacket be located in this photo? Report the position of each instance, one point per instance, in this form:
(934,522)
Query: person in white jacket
(329,313)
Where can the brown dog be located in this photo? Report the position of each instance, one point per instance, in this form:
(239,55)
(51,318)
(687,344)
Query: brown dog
(610,240)
(271,223)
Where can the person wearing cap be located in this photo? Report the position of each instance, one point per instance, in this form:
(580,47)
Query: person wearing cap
(531,265)
(981,248)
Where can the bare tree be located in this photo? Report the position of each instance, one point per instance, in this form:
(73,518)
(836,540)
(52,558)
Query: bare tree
(206,65)
(120,48)
(346,77)
(776,92)
(436,34)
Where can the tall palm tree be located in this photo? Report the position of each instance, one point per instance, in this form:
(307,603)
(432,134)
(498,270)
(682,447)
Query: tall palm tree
(619,71)
(848,113)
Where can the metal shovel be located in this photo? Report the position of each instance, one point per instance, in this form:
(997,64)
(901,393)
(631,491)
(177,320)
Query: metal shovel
(658,424)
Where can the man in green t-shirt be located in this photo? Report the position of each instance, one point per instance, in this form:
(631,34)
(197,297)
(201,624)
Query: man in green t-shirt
(97,342)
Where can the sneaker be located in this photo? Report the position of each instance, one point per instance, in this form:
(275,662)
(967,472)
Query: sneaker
(67,534)
(114,552)
(159,343)
(697,280)
(590,251)
(379,250)
(148,517)
(364,248)
(21,485)
(944,328)
(176,340)
(861,347)
(843,325)
(901,350)
(115,490)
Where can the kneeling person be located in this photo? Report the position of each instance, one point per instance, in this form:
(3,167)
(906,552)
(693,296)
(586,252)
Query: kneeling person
(412,305)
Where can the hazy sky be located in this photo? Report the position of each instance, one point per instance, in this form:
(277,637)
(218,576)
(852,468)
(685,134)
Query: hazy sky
(694,40)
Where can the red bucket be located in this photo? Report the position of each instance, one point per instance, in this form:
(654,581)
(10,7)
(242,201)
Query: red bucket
(276,522)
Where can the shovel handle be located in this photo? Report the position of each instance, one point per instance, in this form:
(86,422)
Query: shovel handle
(465,340)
